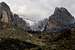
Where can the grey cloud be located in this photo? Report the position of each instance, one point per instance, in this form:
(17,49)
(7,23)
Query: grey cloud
(39,9)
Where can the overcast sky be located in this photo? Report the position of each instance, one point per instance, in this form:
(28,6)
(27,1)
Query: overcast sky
(39,9)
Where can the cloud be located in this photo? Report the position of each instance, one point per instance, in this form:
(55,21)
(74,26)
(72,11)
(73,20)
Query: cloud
(38,9)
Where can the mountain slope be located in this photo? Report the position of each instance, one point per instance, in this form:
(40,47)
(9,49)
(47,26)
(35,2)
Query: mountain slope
(61,19)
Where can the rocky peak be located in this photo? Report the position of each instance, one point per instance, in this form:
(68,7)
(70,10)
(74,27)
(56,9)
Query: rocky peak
(5,14)
(61,11)
(3,4)
(60,19)
(62,14)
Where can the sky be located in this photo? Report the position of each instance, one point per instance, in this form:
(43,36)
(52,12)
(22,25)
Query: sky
(38,9)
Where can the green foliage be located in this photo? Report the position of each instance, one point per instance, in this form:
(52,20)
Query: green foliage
(43,40)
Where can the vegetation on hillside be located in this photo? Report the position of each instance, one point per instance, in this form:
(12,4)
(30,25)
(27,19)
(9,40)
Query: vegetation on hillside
(12,38)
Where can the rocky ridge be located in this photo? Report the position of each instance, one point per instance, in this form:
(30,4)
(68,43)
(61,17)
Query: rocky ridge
(61,19)
(5,14)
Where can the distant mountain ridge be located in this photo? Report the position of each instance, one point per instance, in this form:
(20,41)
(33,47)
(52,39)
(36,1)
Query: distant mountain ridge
(58,21)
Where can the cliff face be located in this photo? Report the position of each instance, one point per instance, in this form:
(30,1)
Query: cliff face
(5,15)
(8,18)
(20,23)
(61,19)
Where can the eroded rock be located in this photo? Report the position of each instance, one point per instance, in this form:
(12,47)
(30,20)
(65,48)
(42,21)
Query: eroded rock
(60,20)
(5,14)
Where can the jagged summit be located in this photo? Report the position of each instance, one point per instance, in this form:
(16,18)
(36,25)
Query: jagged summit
(60,19)
(3,4)
(5,14)
(62,13)
(61,10)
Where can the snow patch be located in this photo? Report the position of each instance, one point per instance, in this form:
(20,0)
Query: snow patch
(27,21)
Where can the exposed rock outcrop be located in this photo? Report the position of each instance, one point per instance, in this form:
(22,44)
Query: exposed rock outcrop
(20,23)
(60,20)
(5,14)
(7,18)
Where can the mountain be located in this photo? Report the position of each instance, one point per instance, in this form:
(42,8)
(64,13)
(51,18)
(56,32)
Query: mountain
(8,18)
(61,19)
(5,14)
(20,23)
(17,33)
